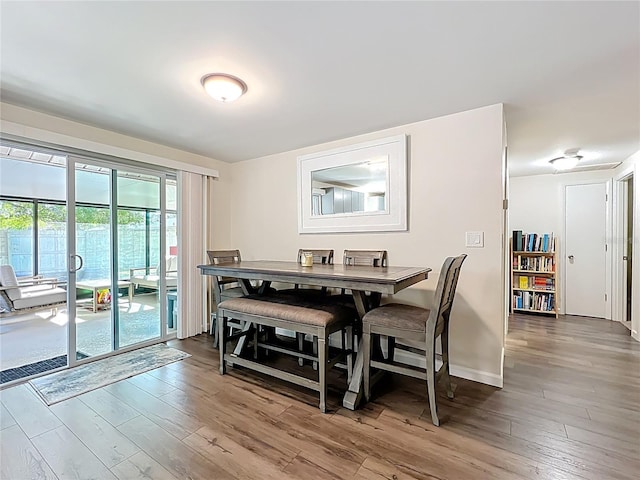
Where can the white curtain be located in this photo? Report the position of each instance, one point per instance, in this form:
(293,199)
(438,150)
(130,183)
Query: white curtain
(194,230)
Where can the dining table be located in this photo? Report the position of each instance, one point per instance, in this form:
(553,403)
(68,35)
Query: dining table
(367,284)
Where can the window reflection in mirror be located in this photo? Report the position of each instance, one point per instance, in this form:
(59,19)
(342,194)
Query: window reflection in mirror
(354,188)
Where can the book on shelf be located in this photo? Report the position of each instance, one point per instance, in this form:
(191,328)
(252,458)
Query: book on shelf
(535,264)
(543,302)
(524,282)
(532,242)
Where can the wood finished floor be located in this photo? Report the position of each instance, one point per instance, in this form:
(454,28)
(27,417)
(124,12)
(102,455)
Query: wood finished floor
(570,409)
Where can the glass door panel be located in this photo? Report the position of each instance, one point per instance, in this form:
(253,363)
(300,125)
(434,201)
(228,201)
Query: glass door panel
(17,231)
(94,318)
(139,259)
(52,241)
(32,242)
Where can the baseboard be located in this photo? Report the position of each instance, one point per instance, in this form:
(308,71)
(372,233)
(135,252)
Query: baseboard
(477,376)
(456,370)
(419,361)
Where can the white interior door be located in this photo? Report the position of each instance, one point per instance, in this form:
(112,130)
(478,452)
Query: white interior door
(585,250)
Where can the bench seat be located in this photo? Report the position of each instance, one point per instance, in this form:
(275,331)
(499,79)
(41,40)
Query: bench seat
(302,311)
(299,315)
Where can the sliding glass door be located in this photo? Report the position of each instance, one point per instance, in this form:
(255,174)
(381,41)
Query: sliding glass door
(90,260)
(140,261)
(116,265)
(101,233)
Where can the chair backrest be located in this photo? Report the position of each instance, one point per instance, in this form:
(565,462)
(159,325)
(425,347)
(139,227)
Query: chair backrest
(319,256)
(372,258)
(445,292)
(8,279)
(217,257)
(170,265)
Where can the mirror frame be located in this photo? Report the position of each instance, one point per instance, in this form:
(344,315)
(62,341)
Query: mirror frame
(394,218)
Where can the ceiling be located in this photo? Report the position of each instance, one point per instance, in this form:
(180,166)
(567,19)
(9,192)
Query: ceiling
(567,72)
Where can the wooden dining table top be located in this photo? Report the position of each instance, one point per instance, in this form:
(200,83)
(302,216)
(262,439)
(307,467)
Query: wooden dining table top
(387,280)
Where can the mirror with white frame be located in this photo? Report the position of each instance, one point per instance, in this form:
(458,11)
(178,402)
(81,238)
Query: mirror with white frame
(357,188)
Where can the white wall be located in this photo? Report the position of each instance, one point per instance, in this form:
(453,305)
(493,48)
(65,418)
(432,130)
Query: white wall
(536,205)
(455,185)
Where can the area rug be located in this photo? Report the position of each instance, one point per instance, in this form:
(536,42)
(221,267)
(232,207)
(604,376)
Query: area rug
(63,385)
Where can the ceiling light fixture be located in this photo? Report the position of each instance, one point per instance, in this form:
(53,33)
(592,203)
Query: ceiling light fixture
(223,87)
(566,162)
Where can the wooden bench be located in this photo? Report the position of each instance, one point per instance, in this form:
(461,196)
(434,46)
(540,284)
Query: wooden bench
(299,315)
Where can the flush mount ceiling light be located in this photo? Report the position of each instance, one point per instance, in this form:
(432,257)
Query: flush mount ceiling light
(224,88)
(566,162)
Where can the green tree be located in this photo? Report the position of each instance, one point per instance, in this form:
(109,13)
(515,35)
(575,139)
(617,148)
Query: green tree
(19,215)
(16,215)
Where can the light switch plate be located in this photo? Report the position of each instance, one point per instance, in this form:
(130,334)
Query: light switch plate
(474,239)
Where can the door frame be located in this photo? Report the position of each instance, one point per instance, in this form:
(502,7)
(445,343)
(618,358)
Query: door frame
(608,242)
(619,222)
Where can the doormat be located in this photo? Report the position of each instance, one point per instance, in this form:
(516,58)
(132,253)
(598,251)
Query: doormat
(63,385)
(35,368)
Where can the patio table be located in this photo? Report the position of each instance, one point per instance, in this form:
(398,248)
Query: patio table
(96,285)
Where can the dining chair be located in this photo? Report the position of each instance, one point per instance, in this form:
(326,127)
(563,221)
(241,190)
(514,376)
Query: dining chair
(320,256)
(228,287)
(324,257)
(419,325)
(370,258)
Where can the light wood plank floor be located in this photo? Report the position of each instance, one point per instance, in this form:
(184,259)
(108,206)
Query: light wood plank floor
(570,409)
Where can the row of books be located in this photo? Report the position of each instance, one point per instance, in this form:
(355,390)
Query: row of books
(534,301)
(535,264)
(532,242)
(534,283)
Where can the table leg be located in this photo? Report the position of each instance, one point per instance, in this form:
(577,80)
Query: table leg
(242,341)
(356,387)
(264,287)
(95,300)
(246,286)
(130,294)
(354,393)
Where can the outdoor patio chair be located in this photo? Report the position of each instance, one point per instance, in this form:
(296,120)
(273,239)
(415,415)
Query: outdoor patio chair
(28,294)
(150,278)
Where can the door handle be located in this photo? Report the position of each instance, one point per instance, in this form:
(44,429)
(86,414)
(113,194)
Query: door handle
(73,257)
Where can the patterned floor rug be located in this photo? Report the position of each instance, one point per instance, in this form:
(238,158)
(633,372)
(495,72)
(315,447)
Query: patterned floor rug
(60,386)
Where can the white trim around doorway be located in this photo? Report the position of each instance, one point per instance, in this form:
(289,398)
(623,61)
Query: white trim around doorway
(619,192)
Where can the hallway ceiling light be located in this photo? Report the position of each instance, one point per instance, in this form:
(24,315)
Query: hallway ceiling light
(223,87)
(566,162)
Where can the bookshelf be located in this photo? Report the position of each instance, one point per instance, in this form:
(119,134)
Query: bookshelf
(533,273)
